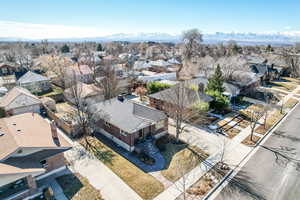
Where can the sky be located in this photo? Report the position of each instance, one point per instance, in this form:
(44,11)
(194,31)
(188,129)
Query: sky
(90,18)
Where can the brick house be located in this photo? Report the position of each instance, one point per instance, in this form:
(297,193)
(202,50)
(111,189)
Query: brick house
(127,123)
(31,149)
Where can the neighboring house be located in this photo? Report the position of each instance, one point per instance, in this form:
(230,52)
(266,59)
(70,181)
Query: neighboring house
(7,68)
(19,100)
(31,149)
(165,99)
(35,83)
(246,81)
(230,89)
(8,81)
(127,123)
(88,93)
(266,73)
(158,77)
(82,73)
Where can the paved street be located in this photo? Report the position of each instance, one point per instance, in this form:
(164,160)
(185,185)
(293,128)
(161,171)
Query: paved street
(272,173)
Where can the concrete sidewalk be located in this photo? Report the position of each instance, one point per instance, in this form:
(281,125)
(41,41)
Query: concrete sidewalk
(101,177)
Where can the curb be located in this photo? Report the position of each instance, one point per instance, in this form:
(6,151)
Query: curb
(254,147)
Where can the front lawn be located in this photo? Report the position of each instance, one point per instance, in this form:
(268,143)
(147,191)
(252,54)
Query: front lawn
(76,187)
(180,159)
(142,183)
(292,80)
(287,86)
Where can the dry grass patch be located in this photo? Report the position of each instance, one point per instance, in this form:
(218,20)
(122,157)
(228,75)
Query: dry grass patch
(181,159)
(247,141)
(76,187)
(142,183)
(261,130)
(232,132)
(293,80)
(291,102)
(222,123)
(287,86)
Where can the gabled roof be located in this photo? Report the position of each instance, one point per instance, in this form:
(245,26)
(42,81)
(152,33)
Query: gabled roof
(85,90)
(127,115)
(187,96)
(31,77)
(27,130)
(80,69)
(14,96)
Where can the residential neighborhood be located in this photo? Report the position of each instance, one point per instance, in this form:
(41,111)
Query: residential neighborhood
(179,114)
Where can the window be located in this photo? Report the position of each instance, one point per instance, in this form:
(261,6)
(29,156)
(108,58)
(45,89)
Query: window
(44,163)
(123,133)
(160,124)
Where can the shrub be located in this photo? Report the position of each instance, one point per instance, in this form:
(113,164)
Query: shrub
(220,101)
(154,87)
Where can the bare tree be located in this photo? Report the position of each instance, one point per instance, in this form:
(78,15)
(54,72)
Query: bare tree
(292,59)
(182,104)
(255,116)
(108,80)
(190,51)
(84,118)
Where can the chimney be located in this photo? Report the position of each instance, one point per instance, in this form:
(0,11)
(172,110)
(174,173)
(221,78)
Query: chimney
(201,87)
(54,132)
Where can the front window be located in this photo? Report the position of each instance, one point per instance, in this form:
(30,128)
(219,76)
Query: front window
(44,163)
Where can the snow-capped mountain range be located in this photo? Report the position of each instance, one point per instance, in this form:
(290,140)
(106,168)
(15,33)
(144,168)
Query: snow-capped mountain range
(285,38)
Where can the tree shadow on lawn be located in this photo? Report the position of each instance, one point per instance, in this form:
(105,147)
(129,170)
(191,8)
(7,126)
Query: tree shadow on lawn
(70,184)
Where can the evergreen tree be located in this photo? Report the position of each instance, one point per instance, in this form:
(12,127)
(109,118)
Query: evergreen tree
(65,49)
(269,48)
(99,47)
(215,82)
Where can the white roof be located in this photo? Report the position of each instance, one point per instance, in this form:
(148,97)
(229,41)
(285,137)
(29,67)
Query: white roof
(158,77)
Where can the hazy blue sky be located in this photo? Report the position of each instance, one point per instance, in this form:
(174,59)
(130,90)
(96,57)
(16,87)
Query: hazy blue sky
(131,16)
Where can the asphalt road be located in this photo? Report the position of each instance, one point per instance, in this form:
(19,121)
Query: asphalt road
(273,172)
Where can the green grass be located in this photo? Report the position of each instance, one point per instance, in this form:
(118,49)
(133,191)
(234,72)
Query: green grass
(142,183)
(76,187)
(181,159)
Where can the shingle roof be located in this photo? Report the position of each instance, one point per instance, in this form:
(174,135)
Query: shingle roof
(31,77)
(229,88)
(127,115)
(15,95)
(187,96)
(26,130)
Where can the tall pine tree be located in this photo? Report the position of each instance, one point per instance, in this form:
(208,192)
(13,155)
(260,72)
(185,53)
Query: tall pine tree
(215,82)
